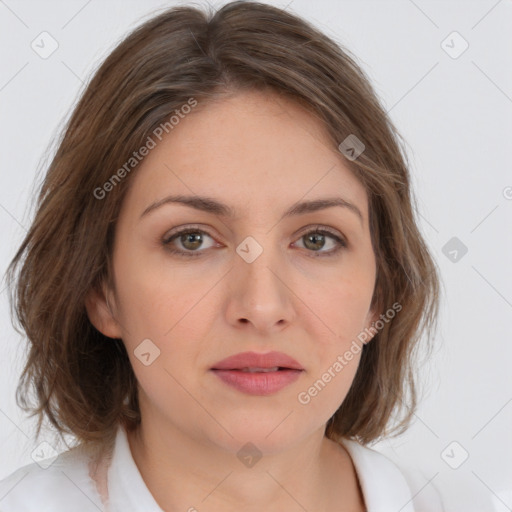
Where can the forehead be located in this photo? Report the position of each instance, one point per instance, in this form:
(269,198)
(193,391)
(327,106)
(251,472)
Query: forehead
(254,150)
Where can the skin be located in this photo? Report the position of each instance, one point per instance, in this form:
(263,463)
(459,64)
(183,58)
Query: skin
(259,154)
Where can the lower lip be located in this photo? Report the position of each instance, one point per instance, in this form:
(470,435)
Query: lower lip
(258,383)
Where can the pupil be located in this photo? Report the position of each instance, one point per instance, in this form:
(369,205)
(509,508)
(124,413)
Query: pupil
(314,238)
(193,238)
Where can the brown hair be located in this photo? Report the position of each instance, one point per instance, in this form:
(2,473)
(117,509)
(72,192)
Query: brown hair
(83,380)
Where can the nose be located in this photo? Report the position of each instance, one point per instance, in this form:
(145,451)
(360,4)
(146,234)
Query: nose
(261,295)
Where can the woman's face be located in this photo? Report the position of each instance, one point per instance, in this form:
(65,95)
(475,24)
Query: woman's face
(256,281)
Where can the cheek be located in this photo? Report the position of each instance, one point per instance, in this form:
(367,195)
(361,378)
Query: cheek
(162,313)
(324,392)
(342,315)
(153,296)
(342,312)
(342,308)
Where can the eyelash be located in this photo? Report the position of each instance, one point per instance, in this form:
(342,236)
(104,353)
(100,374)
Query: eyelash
(322,230)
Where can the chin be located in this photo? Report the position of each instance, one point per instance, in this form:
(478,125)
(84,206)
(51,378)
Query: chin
(269,434)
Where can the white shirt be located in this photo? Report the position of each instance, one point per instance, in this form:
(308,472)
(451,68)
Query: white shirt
(66,484)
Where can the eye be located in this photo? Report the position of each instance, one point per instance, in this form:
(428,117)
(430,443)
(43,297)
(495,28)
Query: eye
(316,240)
(191,239)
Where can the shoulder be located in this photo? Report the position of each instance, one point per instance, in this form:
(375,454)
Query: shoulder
(384,483)
(51,486)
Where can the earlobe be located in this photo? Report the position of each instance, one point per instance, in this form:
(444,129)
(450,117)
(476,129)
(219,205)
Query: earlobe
(100,313)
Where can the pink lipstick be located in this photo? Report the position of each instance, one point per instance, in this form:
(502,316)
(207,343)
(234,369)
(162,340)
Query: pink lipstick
(258,374)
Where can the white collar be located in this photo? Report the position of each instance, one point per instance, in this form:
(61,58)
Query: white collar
(383,485)
(127,491)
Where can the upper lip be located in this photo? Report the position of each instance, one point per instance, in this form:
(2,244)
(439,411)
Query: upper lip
(256,360)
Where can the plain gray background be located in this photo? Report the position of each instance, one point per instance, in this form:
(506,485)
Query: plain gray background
(453,107)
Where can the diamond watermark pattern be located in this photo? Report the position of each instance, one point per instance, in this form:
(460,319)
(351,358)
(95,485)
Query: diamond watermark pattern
(44,45)
(249,455)
(454,45)
(454,250)
(249,249)
(351,147)
(146,352)
(44,454)
(454,455)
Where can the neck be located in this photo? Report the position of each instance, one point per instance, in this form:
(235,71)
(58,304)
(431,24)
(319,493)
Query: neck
(184,473)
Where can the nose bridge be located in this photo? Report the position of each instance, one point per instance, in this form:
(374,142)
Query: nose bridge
(260,293)
(259,261)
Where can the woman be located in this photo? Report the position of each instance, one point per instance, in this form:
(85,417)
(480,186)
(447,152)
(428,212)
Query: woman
(224,281)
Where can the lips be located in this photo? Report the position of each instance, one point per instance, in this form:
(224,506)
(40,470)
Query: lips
(258,374)
(254,362)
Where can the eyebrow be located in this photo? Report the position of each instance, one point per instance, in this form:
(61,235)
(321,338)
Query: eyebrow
(210,205)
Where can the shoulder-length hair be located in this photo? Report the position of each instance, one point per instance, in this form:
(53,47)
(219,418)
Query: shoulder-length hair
(83,381)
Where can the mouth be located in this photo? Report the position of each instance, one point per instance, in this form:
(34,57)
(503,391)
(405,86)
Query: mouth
(258,374)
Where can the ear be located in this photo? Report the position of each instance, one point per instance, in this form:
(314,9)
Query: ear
(99,310)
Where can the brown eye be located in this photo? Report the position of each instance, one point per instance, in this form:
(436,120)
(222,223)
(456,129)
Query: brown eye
(315,241)
(190,240)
